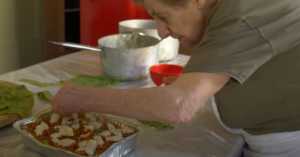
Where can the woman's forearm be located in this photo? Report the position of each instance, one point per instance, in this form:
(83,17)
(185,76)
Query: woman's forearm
(161,104)
(175,103)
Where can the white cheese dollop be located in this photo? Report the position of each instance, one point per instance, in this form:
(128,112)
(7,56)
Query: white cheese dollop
(127,130)
(64,130)
(66,121)
(115,138)
(96,125)
(105,133)
(76,126)
(39,130)
(117,132)
(89,128)
(111,127)
(99,140)
(54,118)
(91,147)
(92,117)
(81,146)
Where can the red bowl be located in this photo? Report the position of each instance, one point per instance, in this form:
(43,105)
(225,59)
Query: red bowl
(161,72)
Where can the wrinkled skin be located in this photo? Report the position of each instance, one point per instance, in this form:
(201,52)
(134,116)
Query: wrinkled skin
(188,23)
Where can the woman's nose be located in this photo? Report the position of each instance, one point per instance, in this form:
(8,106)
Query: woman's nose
(163,30)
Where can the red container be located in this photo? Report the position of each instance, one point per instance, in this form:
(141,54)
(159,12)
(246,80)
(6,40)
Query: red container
(165,73)
(99,18)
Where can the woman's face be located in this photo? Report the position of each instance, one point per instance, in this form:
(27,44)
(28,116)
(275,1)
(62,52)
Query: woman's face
(186,23)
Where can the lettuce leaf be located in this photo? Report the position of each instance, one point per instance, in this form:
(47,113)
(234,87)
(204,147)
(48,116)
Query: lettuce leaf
(95,81)
(45,96)
(84,80)
(15,99)
(41,84)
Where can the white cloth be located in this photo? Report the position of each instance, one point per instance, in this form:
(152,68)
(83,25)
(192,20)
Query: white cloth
(285,144)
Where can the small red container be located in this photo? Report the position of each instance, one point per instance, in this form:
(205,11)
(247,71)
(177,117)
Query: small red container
(161,73)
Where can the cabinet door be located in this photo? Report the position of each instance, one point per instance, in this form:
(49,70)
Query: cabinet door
(100,17)
(53,23)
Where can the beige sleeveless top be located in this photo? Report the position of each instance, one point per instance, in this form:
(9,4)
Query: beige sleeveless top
(256,43)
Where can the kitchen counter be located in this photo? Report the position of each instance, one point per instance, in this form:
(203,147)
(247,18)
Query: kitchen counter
(204,137)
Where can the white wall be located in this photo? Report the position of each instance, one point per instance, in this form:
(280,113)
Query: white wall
(30,31)
(9,57)
(21,33)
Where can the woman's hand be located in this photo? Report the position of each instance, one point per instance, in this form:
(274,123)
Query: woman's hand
(72,99)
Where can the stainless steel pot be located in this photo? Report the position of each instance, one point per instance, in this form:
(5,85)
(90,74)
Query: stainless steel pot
(122,61)
(168,47)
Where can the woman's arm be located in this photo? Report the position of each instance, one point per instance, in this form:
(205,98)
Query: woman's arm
(174,103)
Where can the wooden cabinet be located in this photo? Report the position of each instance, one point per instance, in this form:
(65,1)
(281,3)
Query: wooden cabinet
(61,23)
(53,23)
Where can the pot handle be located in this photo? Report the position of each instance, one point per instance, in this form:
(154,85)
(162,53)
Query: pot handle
(75,45)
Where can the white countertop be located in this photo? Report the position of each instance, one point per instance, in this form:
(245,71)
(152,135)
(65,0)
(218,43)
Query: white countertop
(204,137)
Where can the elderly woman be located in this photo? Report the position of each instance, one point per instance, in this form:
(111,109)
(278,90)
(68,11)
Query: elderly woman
(245,54)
